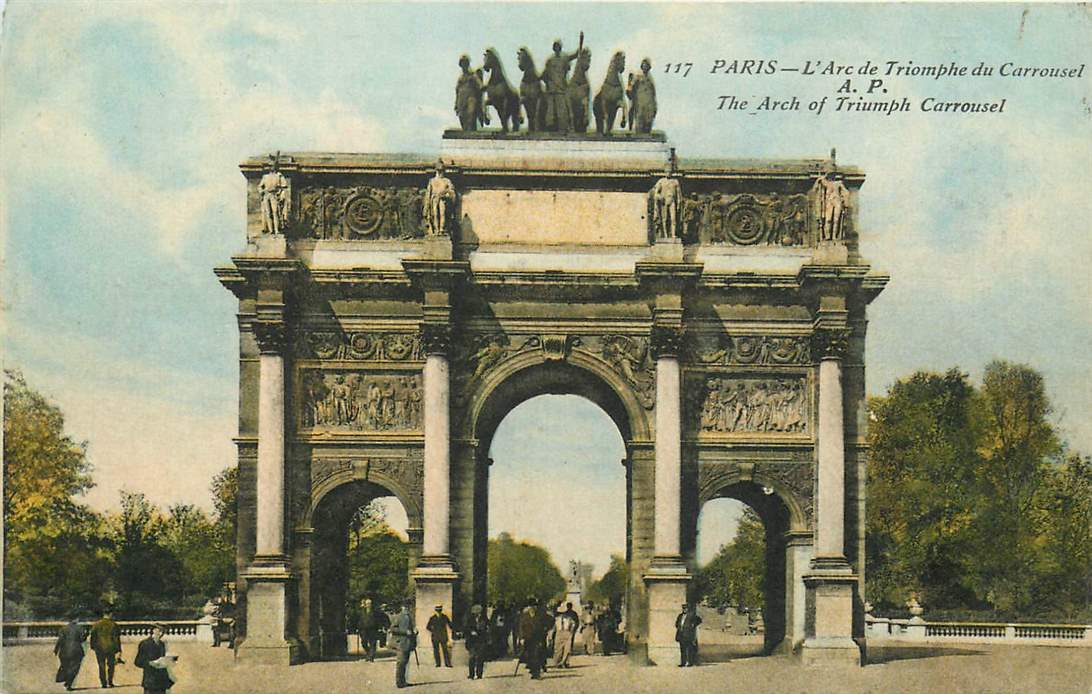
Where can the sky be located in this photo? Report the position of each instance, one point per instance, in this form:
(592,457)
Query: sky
(122,126)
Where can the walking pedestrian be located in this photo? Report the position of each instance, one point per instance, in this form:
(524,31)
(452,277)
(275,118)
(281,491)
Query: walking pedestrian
(69,649)
(153,659)
(439,627)
(686,633)
(587,628)
(106,643)
(476,633)
(565,625)
(372,622)
(533,625)
(405,640)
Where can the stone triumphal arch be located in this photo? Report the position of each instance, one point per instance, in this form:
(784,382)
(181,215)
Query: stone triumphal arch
(392,311)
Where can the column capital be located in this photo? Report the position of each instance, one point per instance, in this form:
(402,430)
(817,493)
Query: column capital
(272,335)
(666,340)
(830,342)
(436,338)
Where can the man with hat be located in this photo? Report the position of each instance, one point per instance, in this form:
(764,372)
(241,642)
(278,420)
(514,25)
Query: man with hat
(106,643)
(153,659)
(686,633)
(476,633)
(405,639)
(439,627)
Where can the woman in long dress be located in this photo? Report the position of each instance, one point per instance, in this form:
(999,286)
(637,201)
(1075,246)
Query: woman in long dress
(69,648)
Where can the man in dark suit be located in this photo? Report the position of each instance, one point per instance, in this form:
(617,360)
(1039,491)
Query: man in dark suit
(153,659)
(106,643)
(686,633)
(69,649)
(439,625)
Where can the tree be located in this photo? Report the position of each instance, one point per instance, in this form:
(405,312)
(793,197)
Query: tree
(923,496)
(611,587)
(735,576)
(149,576)
(378,559)
(519,570)
(55,558)
(225,493)
(194,539)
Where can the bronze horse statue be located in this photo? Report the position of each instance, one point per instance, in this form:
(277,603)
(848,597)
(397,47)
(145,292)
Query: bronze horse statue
(530,90)
(611,97)
(580,91)
(499,94)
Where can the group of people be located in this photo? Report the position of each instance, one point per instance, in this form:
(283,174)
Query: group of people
(105,641)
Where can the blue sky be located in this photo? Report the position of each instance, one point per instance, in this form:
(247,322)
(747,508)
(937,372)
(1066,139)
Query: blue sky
(123,124)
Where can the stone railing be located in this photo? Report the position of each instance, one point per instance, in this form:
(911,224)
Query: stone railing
(176,630)
(917,629)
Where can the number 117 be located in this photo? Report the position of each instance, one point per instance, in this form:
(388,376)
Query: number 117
(684,68)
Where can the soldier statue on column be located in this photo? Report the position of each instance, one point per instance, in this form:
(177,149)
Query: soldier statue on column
(275,200)
(832,206)
(666,200)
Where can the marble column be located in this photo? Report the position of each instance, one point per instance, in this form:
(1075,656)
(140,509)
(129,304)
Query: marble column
(268,610)
(435,575)
(830,584)
(667,577)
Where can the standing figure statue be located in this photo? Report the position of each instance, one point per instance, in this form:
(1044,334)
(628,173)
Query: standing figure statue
(642,94)
(580,91)
(468,96)
(557,113)
(439,193)
(273,190)
(832,206)
(530,90)
(611,96)
(500,94)
(666,201)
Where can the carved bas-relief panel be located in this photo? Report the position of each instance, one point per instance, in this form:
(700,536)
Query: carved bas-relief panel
(746,220)
(732,405)
(352,400)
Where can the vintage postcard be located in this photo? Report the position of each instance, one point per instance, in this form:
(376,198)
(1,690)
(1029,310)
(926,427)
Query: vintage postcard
(651,347)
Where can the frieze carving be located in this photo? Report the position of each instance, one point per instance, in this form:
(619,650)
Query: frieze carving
(764,350)
(795,479)
(746,219)
(407,473)
(830,343)
(361,401)
(362,212)
(754,405)
(360,346)
(630,357)
(476,354)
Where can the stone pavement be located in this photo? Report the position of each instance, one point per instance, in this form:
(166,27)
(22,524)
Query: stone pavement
(201,669)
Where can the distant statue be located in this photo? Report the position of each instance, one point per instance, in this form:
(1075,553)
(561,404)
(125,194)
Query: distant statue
(468,96)
(611,96)
(557,115)
(500,94)
(642,94)
(666,200)
(580,91)
(574,573)
(530,90)
(439,193)
(275,200)
(832,206)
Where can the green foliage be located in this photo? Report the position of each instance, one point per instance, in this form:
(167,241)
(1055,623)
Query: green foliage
(611,587)
(378,560)
(971,502)
(518,570)
(735,577)
(55,558)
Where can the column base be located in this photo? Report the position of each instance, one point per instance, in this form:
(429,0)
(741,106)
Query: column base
(830,587)
(434,584)
(267,639)
(667,580)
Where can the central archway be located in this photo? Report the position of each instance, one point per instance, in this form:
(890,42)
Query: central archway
(527,376)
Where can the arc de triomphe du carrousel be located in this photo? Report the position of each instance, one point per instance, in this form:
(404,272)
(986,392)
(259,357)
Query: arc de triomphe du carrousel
(393,309)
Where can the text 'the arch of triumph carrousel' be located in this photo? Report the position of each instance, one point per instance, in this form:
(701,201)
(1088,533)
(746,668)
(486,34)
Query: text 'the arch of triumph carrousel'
(393,308)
